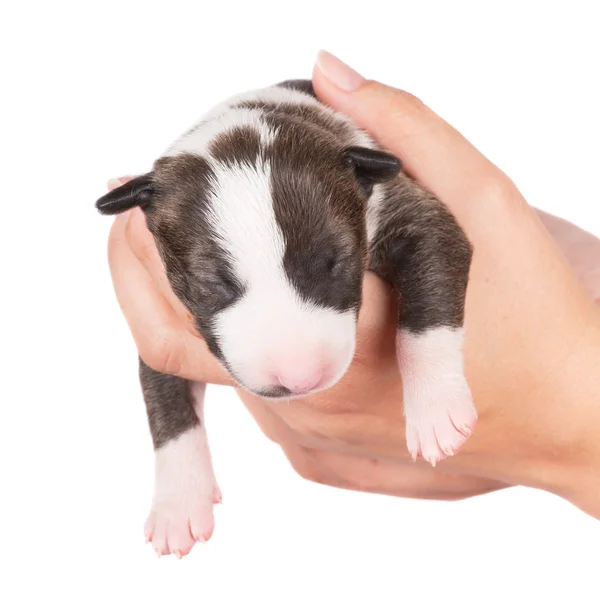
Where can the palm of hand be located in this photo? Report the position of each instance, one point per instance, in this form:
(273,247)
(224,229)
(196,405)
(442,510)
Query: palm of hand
(580,248)
(319,434)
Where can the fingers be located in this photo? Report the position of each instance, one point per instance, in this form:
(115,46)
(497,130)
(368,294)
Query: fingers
(511,244)
(305,464)
(274,428)
(405,479)
(143,246)
(270,424)
(162,338)
(118,181)
(388,477)
(581,249)
(431,150)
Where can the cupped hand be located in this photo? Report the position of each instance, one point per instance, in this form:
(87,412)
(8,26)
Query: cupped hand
(532,331)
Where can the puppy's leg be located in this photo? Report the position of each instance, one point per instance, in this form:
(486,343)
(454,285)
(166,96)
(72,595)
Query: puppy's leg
(419,248)
(185,485)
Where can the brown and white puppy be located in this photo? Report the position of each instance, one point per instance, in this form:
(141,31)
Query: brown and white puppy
(266,214)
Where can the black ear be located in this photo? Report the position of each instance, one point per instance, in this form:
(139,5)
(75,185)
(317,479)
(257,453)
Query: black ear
(137,192)
(372,166)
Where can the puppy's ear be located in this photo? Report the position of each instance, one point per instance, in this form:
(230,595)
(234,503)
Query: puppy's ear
(137,192)
(372,166)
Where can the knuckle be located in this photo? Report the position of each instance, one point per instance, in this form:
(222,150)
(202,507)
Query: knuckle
(144,252)
(115,240)
(308,474)
(410,101)
(303,464)
(143,247)
(500,191)
(407,109)
(161,353)
(270,434)
(397,108)
(397,99)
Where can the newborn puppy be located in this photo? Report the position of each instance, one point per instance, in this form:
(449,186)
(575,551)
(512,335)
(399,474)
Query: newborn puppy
(266,214)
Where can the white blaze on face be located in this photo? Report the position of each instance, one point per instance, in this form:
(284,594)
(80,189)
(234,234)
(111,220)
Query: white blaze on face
(271,337)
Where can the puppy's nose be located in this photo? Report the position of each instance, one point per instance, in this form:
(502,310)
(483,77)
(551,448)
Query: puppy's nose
(300,382)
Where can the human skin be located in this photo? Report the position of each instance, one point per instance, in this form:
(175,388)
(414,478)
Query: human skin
(532,342)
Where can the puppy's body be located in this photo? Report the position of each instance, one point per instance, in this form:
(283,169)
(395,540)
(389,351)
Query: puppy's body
(266,214)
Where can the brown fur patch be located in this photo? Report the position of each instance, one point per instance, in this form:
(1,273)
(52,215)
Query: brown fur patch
(169,405)
(420,249)
(305,115)
(320,209)
(238,145)
(194,259)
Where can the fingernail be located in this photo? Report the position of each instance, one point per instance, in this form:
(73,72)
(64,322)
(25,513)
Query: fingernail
(116,182)
(338,72)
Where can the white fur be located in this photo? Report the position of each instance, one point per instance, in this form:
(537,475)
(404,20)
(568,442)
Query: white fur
(281,95)
(185,489)
(242,216)
(271,330)
(223,117)
(438,407)
(200,137)
(256,333)
(275,94)
(373,210)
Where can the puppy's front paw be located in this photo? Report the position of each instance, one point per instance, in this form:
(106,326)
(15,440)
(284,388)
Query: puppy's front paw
(438,406)
(176,524)
(439,421)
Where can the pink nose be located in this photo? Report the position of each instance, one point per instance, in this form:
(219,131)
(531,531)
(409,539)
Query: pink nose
(300,382)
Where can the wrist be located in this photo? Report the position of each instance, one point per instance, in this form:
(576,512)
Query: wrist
(576,475)
(549,438)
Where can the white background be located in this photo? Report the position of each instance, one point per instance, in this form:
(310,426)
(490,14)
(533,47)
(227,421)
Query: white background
(93,90)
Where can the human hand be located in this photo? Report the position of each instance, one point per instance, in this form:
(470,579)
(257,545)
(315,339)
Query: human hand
(530,349)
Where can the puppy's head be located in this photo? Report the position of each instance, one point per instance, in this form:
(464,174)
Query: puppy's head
(265,245)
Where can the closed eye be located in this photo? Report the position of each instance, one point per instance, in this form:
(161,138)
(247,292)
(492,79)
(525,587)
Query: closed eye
(338,267)
(336,264)
(225,286)
(224,290)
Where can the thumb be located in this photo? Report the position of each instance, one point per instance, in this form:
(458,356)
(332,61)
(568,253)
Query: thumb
(432,151)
